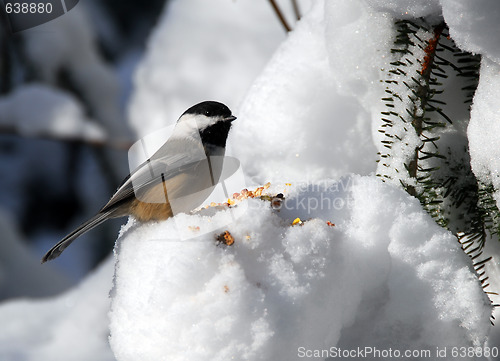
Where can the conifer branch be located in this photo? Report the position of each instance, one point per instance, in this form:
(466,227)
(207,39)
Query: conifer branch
(437,173)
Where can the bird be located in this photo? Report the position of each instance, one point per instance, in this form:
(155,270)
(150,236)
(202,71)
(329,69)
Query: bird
(177,178)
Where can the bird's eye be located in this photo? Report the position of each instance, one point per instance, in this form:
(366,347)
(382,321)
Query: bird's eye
(208,113)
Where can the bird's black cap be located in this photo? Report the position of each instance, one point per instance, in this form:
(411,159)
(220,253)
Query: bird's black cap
(211,109)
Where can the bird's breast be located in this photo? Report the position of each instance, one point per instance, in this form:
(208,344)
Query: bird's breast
(153,205)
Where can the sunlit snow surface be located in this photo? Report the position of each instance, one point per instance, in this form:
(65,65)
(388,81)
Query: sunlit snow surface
(385,275)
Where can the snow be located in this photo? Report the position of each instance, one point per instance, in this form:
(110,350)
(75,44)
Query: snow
(407,9)
(367,34)
(216,58)
(66,47)
(381,275)
(20,274)
(473,25)
(38,109)
(482,132)
(295,111)
(71,326)
(193,300)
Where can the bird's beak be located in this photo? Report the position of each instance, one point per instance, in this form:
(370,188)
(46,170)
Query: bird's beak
(230,118)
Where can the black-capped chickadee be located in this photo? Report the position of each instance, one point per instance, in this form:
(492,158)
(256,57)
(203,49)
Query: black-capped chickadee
(177,178)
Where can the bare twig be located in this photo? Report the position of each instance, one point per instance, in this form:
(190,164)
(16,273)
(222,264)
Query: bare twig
(280,15)
(296,9)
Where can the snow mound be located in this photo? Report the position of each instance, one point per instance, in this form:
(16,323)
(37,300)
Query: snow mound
(474,25)
(384,275)
(482,131)
(66,327)
(302,113)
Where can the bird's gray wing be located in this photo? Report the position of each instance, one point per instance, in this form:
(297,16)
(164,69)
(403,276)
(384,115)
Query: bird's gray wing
(154,171)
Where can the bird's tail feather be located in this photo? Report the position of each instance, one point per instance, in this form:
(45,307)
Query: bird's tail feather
(60,246)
